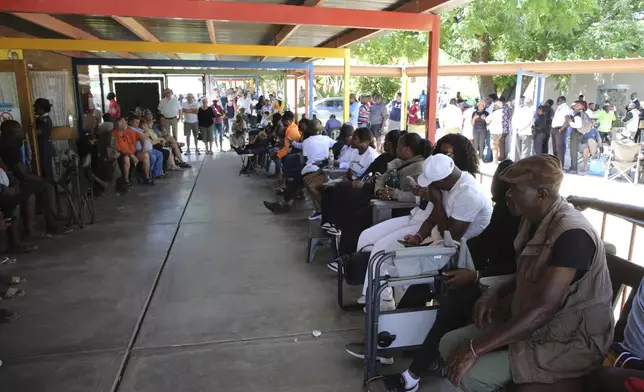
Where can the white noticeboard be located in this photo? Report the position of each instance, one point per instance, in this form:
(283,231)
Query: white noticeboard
(9,111)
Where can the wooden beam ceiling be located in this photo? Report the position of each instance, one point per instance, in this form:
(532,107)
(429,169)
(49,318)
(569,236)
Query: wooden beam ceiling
(286,31)
(140,31)
(57,25)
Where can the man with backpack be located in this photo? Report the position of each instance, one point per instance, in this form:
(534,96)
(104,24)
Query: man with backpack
(581,124)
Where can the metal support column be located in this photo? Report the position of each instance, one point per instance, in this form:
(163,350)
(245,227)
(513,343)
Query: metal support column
(256,79)
(203,85)
(295,95)
(79,100)
(310,91)
(405,99)
(432,78)
(100,81)
(347,79)
(285,88)
(307,95)
(517,103)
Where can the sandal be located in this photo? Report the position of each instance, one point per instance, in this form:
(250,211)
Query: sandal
(17,280)
(7,316)
(8,260)
(12,293)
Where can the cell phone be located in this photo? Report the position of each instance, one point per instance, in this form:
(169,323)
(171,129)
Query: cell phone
(412,182)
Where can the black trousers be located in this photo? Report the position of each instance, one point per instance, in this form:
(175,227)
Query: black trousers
(558,143)
(455,312)
(541,143)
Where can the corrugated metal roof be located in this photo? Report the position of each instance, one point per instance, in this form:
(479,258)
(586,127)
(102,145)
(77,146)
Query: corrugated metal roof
(372,5)
(102,27)
(312,35)
(282,59)
(24,26)
(241,33)
(177,30)
(151,56)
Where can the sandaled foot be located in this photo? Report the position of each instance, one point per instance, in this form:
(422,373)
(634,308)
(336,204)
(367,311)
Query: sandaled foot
(17,280)
(7,316)
(6,260)
(12,293)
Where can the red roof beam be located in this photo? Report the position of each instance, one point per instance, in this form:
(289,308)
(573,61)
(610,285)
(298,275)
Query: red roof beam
(230,11)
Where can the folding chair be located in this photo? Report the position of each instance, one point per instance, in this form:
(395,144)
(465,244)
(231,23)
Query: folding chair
(402,328)
(625,157)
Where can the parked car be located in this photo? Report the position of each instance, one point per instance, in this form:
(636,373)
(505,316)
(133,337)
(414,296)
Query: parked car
(324,108)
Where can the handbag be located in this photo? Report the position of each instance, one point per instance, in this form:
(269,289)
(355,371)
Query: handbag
(596,167)
(355,267)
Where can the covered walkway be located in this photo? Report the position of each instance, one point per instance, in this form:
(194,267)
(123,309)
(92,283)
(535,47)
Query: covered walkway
(192,286)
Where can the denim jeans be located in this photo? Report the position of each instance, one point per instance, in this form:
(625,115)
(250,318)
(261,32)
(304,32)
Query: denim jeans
(156,163)
(219,133)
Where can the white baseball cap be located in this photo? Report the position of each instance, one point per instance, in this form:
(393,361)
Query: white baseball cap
(435,168)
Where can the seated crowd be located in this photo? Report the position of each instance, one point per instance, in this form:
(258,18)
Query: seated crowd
(111,153)
(547,327)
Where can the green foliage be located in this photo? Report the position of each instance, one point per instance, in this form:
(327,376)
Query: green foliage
(329,86)
(387,87)
(396,47)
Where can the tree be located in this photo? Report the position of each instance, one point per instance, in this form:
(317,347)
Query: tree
(528,30)
(387,87)
(397,47)
(521,30)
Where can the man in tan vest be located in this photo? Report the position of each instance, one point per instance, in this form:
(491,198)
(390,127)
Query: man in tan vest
(559,323)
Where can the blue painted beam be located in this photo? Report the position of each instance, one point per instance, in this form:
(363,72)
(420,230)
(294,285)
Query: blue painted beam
(193,63)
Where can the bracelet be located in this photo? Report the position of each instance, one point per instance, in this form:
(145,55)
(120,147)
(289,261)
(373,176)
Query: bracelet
(472,348)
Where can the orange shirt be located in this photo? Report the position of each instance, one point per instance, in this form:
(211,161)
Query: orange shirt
(126,141)
(292,132)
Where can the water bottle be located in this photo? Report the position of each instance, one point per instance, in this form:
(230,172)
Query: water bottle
(331,158)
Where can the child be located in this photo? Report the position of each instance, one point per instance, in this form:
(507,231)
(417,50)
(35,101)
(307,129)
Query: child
(414,111)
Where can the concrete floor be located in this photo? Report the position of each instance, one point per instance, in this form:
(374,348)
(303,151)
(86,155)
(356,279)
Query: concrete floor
(233,307)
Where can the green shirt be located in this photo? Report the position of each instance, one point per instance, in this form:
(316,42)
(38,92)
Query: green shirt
(605,120)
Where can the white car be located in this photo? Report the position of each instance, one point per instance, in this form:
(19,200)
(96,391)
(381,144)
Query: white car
(324,108)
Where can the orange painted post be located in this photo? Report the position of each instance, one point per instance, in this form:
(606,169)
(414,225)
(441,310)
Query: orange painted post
(432,77)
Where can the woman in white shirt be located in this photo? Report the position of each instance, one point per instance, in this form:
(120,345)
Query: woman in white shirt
(495,125)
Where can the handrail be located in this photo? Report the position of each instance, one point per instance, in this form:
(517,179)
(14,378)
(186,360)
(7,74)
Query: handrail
(631,213)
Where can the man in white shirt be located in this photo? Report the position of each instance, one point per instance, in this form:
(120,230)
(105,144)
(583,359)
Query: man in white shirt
(246,103)
(451,118)
(170,107)
(190,108)
(560,122)
(522,121)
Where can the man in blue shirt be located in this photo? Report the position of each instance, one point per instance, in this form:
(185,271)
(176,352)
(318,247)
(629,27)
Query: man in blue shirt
(332,124)
(423,104)
(395,113)
(354,109)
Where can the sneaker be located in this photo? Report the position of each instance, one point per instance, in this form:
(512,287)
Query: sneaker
(362,300)
(187,152)
(197,152)
(333,231)
(185,165)
(390,384)
(326,226)
(438,366)
(333,266)
(315,216)
(276,207)
(356,350)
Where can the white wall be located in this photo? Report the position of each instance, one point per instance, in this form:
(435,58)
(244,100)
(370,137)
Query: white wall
(587,85)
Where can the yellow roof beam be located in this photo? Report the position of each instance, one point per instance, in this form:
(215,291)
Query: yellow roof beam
(170,47)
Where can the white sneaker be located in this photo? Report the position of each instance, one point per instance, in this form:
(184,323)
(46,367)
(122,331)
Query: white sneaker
(333,266)
(315,216)
(326,226)
(334,232)
(362,300)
